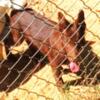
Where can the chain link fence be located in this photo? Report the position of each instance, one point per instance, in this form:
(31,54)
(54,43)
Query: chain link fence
(28,75)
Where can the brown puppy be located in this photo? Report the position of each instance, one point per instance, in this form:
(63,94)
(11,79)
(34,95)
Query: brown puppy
(56,41)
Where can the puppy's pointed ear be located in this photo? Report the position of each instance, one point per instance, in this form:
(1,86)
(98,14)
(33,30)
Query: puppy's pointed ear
(63,23)
(81,16)
(80,23)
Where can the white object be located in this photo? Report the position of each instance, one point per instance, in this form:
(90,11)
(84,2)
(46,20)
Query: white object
(15,4)
(70,77)
(5,3)
(18,4)
(20,48)
(3,55)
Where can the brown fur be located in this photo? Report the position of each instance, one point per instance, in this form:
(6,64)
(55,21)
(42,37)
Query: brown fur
(47,38)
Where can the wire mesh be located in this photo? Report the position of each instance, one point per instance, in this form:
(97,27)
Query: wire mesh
(28,74)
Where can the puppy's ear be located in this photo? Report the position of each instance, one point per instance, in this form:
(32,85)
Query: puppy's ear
(63,23)
(80,24)
(81,17)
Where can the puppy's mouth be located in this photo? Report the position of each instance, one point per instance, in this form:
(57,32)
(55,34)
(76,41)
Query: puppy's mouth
(73,67)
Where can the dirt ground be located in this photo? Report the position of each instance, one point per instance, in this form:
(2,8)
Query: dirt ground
(38,87)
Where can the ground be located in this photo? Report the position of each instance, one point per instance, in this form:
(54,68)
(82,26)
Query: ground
(38,87)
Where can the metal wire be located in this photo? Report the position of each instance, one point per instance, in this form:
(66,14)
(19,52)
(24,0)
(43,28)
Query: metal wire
(95,65)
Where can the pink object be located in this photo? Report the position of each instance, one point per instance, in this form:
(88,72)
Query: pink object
(73,67)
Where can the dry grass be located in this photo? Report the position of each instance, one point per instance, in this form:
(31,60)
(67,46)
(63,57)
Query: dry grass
(39,89)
